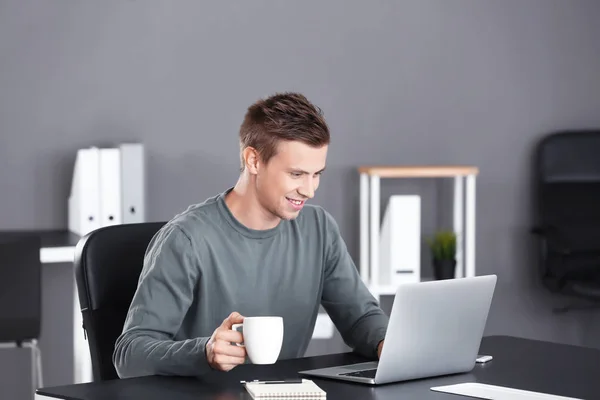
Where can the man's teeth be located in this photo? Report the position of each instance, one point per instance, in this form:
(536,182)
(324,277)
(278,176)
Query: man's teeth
(297,202)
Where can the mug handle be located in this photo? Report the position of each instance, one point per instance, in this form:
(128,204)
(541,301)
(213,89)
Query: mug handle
(234,328)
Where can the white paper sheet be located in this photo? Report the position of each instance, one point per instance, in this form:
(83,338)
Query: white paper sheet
(492,392)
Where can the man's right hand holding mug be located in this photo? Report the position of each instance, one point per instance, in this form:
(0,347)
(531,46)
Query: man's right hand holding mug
(220,353)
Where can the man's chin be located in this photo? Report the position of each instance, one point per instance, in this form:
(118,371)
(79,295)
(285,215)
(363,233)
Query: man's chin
(289,216)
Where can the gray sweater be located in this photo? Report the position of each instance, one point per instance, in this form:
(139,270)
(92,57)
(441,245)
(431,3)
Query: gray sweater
(204,264)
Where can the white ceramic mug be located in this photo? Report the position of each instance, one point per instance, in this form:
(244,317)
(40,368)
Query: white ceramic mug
(263,338)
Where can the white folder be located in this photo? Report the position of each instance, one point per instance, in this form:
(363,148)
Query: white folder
(400,242)
(133,185)
(83,202)
(110,187)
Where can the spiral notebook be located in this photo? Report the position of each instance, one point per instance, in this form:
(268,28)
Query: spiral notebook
(305,390)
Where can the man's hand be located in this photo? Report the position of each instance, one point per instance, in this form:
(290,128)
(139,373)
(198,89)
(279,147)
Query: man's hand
(220,353)
(379,348)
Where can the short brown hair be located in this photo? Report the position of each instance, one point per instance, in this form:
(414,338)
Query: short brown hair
(282,116)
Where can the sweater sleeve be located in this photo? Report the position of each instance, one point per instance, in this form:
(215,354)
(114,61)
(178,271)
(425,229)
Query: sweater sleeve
(165,291)
(347,300)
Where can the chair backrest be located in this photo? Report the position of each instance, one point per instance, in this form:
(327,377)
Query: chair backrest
(567,174)
(108,262)
(20,288)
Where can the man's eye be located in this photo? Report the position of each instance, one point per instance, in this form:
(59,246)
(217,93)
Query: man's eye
(296,174)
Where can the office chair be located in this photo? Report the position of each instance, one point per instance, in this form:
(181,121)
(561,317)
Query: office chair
(108,262)
(567,213)
(21,298)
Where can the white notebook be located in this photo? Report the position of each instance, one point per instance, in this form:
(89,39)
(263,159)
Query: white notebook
(305,390)
(492,392)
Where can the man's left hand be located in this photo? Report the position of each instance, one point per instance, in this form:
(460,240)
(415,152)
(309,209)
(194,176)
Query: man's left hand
(379,347)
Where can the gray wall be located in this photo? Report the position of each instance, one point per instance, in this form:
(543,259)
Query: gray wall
(401,82)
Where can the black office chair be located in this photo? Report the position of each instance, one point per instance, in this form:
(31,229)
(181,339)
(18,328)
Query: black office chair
(108,262)
(567,213)
(21,297)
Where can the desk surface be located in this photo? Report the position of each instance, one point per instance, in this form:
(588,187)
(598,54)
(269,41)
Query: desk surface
(49,238)
(519,363)
(57,246)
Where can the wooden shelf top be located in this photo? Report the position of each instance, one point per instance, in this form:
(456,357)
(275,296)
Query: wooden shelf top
(416,171)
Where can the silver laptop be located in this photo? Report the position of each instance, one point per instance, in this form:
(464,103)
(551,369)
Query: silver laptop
(435,329)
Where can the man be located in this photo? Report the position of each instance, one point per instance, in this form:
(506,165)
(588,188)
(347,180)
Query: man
(255,249)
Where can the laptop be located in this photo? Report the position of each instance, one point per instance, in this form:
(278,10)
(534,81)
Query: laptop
(435,329)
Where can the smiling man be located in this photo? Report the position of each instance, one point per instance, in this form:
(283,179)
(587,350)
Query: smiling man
(257,248)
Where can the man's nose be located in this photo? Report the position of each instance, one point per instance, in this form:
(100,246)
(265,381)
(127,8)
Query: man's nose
(308,189)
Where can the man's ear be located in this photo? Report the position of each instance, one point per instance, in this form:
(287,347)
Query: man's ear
(251,159)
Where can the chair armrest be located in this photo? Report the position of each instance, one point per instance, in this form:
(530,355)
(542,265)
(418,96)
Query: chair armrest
(587,289)
(553,241)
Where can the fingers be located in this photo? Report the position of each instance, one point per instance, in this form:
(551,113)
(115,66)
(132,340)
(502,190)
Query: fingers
(224,360)
(228,335)
(222,354)
(225,348)
(224,367)
(233,318)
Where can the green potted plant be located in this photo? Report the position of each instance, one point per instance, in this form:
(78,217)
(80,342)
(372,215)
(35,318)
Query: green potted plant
(443,253)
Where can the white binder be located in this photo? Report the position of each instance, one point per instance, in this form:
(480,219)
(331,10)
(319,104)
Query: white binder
(110,187)
(83,202)
(133,184)
(400,243)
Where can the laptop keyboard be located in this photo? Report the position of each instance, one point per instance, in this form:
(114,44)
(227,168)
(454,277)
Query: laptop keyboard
(366,373)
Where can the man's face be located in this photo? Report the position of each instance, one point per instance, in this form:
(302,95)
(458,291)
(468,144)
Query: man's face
(290,178)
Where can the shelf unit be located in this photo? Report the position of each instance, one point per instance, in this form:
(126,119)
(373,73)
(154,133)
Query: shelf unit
(463,221)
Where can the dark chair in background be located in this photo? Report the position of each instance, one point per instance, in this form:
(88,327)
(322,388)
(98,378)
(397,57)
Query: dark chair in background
(567,213)
(108,262)
(21,297)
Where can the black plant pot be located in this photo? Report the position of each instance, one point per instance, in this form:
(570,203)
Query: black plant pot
(444,269)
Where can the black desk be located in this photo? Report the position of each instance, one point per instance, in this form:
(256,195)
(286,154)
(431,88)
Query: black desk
(49,238)
(519,363)
(58,246)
